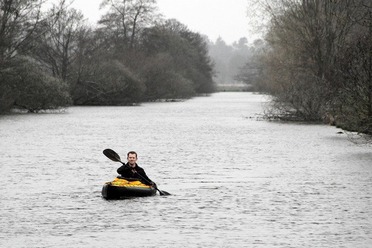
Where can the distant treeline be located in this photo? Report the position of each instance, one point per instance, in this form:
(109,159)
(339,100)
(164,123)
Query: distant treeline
(52,58)
(317,62)
(230,59)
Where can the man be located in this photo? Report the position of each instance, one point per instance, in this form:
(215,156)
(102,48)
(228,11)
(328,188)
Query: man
(132,170)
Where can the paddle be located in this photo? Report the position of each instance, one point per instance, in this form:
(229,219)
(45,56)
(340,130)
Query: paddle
(115,157)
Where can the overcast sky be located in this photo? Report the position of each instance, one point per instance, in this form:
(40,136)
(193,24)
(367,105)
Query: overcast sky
(214,18)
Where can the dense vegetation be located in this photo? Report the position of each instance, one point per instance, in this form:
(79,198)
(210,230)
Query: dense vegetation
(315,60)
(51,59)
(317,63)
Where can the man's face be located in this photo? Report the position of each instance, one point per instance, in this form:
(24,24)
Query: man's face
(132,159)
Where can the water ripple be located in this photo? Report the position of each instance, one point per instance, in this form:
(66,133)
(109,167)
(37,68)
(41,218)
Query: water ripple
(235,181)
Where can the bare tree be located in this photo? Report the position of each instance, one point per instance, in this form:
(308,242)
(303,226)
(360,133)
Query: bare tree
(56,41)
(305,40)
(18,21)
(352,107)
(126,18)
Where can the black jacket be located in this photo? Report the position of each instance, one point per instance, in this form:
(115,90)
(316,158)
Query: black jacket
(127,172)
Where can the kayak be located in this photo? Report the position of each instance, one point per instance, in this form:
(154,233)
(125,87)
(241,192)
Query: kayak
(121,188)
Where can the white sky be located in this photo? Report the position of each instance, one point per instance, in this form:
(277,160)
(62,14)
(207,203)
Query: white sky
(225,18)
(214,18)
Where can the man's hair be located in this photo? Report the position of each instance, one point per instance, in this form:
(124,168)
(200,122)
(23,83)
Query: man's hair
(132,152)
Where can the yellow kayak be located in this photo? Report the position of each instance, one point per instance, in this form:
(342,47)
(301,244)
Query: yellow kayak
(121,188)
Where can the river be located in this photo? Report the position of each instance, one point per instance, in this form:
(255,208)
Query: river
(236,180)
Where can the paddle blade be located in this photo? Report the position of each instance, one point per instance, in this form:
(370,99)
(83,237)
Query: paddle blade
(112,155)
(162,192)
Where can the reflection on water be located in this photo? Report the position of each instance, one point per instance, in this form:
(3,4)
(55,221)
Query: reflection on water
(236,181)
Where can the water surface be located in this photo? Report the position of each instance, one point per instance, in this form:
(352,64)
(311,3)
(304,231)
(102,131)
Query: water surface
(236,180)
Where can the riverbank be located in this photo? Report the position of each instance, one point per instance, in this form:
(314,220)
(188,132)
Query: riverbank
(234,88)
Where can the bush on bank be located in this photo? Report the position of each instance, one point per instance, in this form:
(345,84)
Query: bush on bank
(26,86)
